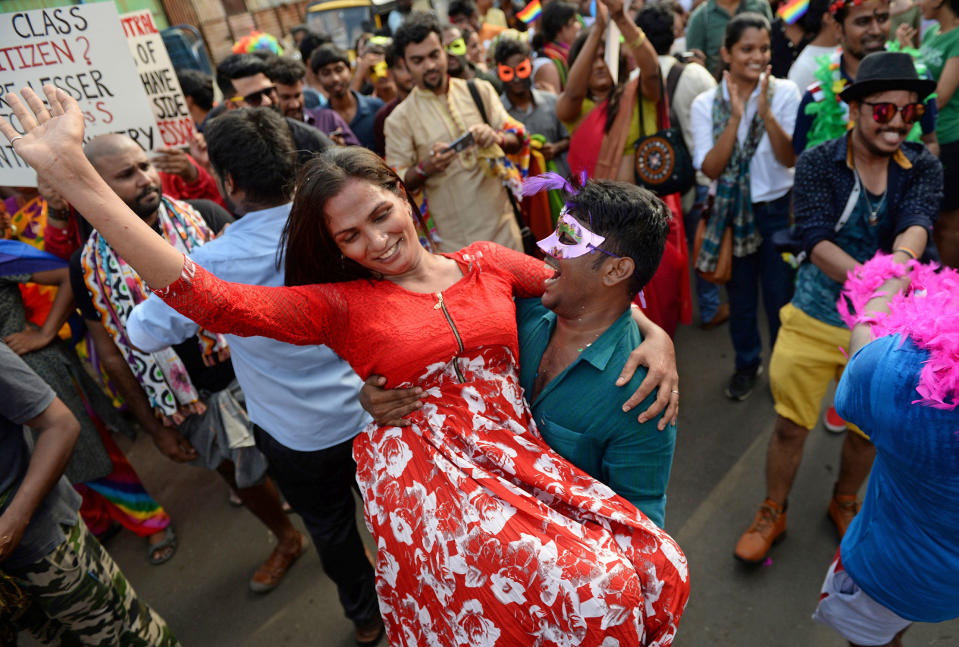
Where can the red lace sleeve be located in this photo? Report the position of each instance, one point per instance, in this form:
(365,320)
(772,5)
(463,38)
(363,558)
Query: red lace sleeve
(526,273)
(297,315)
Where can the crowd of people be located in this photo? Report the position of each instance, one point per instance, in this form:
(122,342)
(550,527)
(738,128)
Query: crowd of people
(443,270)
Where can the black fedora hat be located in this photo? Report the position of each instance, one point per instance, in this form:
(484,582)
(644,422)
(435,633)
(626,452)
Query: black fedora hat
(882,71)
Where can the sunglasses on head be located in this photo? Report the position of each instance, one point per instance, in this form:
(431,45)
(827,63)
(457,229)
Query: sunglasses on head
(457,47)
(884,111)
(521,71)
(256,98)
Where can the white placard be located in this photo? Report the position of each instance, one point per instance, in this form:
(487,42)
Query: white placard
(174,125)
(612,50)
(82,50)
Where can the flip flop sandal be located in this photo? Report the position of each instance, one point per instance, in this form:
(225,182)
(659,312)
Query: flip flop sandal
(169,541)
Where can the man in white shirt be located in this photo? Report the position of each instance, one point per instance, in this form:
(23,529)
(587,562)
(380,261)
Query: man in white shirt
(302,399)
(815,22)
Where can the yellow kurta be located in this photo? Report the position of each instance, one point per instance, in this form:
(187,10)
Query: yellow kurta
(467,203)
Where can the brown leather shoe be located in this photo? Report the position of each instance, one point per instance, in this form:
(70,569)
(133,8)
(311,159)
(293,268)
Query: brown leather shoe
(369,633)
(271,572)
(722,314)
(768,528)
(843,508)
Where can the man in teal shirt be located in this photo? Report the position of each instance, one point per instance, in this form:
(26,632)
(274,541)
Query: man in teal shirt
(574,342)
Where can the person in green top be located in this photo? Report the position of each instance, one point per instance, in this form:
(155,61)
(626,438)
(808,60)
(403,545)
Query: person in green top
(940,52)
(707,27)
(574,341)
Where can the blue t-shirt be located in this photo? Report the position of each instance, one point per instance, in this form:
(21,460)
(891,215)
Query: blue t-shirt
(363,120)
(903,547)
(816,294)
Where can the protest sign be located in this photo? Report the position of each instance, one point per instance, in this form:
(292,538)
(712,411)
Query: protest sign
(174,126)
(81,50)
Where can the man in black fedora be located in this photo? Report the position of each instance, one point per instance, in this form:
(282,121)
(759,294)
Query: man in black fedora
(868,190)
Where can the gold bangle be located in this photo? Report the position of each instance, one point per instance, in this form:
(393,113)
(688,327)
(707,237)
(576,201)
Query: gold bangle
(639,40)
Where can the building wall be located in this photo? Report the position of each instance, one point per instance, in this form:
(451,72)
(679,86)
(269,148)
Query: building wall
(223,22)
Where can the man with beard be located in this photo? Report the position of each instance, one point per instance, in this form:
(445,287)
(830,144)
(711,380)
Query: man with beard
(331,65)
(458,63)
(288,74)
(866,191)
(536,109)
(185,396)
(301,399)
(243,80)
(862,28)
(466,195)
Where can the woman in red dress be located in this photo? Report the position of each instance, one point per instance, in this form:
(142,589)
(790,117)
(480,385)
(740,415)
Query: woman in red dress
(485,535)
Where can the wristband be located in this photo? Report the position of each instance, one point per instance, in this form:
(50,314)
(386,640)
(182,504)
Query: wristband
(419,169)
(639,40)
(906,250)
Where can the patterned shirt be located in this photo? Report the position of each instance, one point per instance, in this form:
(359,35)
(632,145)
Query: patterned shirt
(816,294)
(825,178)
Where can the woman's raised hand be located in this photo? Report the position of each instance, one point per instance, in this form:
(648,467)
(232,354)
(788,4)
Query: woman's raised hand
(52,143)
(52,138)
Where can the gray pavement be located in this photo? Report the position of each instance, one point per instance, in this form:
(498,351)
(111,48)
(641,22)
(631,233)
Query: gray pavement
(717,482)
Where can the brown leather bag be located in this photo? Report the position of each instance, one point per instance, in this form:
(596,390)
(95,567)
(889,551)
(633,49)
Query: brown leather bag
(724,262)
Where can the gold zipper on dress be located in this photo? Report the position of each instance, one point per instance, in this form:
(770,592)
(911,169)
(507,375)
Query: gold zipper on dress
(459,341)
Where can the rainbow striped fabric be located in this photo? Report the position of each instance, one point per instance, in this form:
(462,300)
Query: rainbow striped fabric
(793,10)
(530,12)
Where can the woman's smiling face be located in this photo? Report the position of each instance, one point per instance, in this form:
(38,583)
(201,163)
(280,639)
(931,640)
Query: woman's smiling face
(373,227)
(749,56)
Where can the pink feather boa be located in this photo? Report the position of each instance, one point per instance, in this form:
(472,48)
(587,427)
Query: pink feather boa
(927,312)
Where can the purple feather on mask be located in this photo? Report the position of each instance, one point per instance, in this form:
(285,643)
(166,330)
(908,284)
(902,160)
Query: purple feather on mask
(546,181)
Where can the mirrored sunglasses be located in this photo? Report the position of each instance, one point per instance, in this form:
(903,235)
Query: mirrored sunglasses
(884,111)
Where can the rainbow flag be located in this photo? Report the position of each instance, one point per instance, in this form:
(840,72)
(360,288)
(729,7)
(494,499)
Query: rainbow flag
(793,10)
(531,12)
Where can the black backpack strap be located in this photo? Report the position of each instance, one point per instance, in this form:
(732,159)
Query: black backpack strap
(477,99)
(529,243)
(672,80)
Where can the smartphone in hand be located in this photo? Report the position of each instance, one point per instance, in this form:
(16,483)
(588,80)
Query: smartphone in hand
(462,143)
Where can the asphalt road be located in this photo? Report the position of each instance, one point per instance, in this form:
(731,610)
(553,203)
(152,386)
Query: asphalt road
(716,484)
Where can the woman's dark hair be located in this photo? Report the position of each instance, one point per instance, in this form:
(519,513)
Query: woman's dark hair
(555,16)
(311,253)
(633,220)
(736,27)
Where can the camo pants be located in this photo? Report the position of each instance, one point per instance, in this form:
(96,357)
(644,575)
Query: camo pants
(80,597)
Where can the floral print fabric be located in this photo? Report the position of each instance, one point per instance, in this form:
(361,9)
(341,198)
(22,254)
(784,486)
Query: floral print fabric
(486,537)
